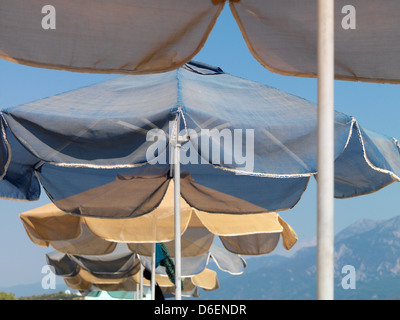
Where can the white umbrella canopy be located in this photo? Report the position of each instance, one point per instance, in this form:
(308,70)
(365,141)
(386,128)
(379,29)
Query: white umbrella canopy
(143,36)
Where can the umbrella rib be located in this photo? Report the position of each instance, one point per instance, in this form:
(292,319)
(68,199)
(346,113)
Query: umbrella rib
(286,149)
(148,122)
(174,39)
(134,127)
(77,136)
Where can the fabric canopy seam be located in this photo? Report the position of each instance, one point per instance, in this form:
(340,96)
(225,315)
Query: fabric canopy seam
(156,206)
(4,138)
(23,143)
(241,172)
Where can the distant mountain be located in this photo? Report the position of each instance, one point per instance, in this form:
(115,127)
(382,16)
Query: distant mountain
(371,247)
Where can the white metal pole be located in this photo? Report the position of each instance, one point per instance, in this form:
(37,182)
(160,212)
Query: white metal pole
(325,193)
(177,216)
(153,273)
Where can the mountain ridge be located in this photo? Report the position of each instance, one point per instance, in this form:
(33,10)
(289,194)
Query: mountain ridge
(372,247)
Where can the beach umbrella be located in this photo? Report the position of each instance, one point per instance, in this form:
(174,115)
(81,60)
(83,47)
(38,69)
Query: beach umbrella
(73,235)
(349,41)
(243,136)
(249,234)
(142,36)
(45,229)
(119,271)
(245,234)
(128,129)
(206,280)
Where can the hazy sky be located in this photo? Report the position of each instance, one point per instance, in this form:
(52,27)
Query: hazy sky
(375,106)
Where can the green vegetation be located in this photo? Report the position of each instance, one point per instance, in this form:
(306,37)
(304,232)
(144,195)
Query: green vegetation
(53,296)
(7,296)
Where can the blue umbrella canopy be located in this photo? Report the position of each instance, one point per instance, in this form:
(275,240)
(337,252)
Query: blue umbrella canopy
(247,141)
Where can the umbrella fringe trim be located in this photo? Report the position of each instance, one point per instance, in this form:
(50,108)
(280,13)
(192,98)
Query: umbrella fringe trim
(227,270)
(250,233)
(99,166)
(236,171)
(354,123)
(253,254)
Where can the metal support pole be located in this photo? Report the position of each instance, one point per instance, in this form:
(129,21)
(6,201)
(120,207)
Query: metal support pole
(325,193)
(153,273)
(177,209)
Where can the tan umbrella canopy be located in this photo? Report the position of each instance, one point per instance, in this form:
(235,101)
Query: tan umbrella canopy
(255,233)
(206,280)
(248,234)
(119,271)
(142,36)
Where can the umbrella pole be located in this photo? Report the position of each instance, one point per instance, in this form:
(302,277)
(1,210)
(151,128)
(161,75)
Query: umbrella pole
(153,273)
(325,156)
(177,213)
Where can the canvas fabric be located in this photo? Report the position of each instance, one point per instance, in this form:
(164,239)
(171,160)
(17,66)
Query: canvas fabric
(142,36)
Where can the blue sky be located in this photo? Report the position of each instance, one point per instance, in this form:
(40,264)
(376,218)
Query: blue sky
(375,106)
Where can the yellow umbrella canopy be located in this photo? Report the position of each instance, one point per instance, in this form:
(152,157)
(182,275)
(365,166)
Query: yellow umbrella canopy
(142,36)
(249,234)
